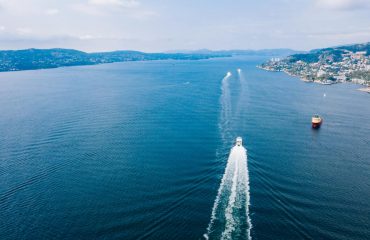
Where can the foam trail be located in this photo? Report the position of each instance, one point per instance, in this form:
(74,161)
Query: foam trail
(230,221)
(225,111)
(218,199)
(230,213)
(225,107)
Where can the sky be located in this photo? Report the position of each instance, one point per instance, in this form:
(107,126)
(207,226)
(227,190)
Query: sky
(163,25)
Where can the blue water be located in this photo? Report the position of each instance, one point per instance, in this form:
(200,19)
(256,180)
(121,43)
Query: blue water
(137,150)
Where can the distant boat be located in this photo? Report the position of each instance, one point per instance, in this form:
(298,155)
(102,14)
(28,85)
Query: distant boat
(239,141)
(316,121)
(327,83)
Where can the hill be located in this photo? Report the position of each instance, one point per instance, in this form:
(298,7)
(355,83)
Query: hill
(28,59)
(281,52)
(328,65)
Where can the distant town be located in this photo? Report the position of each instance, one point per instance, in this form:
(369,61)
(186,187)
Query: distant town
(327,66)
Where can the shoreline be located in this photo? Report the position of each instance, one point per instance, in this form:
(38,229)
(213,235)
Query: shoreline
(103,63)
(366,89)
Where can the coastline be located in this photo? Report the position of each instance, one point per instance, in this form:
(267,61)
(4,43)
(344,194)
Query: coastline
(326,82)
(35,59)
(367,89)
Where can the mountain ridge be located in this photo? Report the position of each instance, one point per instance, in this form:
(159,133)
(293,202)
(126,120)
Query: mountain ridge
(33,58)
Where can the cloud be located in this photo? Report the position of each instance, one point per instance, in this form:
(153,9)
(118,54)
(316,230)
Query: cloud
(125,8)
(343,34)
(86,37)
(343,4)
(144,14)
(23,31)
(89,43)
(87,9)
(52,11)
(116,3)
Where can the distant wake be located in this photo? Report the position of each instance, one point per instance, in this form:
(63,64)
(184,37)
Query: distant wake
(230,213)
(225,108)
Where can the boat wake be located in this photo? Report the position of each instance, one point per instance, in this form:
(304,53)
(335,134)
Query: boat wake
(230,213)
(225,108)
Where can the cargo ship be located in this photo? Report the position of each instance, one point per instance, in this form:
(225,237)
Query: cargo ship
(316,121)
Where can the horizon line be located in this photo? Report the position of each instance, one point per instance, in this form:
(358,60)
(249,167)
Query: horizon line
(184,50)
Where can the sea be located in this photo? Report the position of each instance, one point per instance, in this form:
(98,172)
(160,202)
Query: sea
(145,150)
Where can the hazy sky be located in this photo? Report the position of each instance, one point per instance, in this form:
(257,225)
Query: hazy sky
(160,25)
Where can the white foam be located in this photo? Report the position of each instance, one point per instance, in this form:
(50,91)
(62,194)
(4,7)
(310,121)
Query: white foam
(233,193)
(219,193)
(225,109)
(225,106)
(228,215)
(230,221)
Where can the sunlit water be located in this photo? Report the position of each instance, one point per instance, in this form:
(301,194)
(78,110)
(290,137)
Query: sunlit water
(138,151)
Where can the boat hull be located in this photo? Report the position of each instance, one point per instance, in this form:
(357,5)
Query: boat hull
(316,125)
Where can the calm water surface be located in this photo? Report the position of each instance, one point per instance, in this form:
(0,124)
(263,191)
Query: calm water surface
(135,151)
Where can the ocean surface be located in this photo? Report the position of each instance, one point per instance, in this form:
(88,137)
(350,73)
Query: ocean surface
(138,150)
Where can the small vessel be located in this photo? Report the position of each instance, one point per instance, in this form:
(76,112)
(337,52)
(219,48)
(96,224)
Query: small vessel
(239,141)
(327,82)
(316,121)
